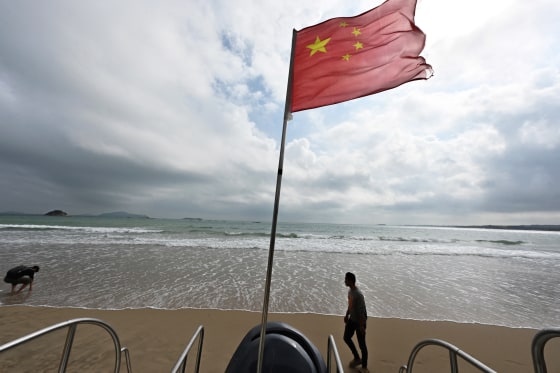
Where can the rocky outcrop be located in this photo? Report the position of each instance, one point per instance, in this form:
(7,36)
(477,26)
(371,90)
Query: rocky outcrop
(56,213)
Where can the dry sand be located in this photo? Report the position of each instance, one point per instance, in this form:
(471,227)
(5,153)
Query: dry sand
(156,339)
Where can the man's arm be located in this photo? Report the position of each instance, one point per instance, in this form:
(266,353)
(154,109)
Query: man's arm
(362,317)
(349,308)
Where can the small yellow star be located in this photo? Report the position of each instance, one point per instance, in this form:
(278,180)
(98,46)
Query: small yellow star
(356,31)
(346,57)
(358,45)
(318,46)
(343,24)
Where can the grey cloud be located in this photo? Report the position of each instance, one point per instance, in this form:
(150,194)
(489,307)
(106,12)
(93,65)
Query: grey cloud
(130,107)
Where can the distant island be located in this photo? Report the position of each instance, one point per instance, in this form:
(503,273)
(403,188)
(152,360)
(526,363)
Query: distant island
(56,213)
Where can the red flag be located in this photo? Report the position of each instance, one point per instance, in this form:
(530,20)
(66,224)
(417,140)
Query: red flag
(349,57)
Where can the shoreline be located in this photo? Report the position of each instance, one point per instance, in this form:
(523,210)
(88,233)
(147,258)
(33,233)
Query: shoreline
(156,338)
(187,309)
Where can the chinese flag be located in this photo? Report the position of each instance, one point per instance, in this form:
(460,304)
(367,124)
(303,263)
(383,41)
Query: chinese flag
(350,57)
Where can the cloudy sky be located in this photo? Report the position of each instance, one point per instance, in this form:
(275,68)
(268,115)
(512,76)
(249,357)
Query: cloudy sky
(174,109)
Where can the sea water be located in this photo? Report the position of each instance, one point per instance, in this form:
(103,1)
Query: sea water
(474,275)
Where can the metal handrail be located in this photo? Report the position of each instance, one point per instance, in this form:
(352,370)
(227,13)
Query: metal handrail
(72,326)
(182,361)
(332,351)
(453,353)
(537,347)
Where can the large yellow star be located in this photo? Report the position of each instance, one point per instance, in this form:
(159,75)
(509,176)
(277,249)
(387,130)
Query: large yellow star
(318,46)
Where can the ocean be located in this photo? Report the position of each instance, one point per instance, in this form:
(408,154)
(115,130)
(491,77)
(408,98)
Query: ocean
(472,275)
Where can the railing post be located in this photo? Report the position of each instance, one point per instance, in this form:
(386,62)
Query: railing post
(332,350)
(329,355)
(199,352)
(67,348)
(127,359)
(453,361)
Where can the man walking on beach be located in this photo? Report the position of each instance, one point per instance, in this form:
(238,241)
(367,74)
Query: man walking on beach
(355,320)
(21,275)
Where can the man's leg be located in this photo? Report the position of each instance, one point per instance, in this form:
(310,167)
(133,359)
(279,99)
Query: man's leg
(363,347)
(23,286)
(348,333)
(24,281)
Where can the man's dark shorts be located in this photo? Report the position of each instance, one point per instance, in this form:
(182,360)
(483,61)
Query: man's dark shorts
(20,280)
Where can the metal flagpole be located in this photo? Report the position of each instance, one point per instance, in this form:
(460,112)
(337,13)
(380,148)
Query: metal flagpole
(287,117)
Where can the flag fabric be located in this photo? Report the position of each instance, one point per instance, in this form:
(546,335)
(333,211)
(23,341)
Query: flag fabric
(349,57)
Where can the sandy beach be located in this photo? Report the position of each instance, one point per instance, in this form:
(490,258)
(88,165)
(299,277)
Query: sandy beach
(156,338)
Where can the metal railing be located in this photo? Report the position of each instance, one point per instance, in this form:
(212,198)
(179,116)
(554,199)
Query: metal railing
(182,361)
(72,326)
(332,352)
(537,347)
(454,352)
